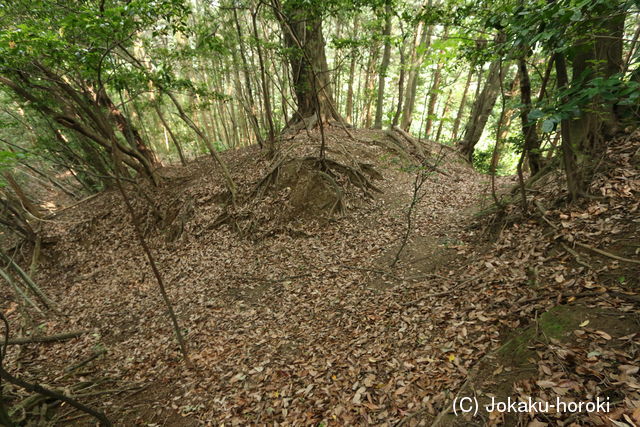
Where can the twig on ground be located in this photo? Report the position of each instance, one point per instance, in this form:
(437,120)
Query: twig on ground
(37,388)
(86,360)
(421,178)
(43,339)
(582,245)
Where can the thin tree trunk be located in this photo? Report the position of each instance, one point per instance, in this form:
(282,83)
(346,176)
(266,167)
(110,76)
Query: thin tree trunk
(183,161)
(531,142)
(443,116)
(247,81)
(433,93)
(463,103)
(369,84)
(423,38)
(24,200)
(504,123)
(568,154)
(231,187)
(401,77)
(266,96)
(386,57)
(352,71)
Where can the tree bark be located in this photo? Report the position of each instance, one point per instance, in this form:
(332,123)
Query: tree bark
(433,94)
(401,78)
(463,103)
(423,40)
(271,138)
(127,130)
(531,141)
(569,158)
(183,161)
(247,81)
(302,32)
(386,57)
(504,122)
(22,197)
(352,72)
(599,56)
(482,107)
(445,111)
(369,84)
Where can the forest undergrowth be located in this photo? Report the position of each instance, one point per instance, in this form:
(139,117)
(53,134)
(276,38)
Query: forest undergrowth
(293,313)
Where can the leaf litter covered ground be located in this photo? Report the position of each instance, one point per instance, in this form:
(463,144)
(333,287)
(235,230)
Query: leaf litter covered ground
(295,318)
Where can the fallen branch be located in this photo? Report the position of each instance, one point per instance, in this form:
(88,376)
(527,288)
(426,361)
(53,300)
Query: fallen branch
(50,338)
(396,145)
(59,211)
(416,144)
(577,256)
(30,283)
(582,245)
(607,254)
(37,388)
(86,360)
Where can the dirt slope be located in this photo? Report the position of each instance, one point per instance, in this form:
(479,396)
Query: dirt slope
(299,321)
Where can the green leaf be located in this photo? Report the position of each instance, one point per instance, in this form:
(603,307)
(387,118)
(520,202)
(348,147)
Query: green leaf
(548,125)
(535,114)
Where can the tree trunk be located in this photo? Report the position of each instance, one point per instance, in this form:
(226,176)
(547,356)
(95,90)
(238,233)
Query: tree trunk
(266,95)
(504,122)
(352,72)
(463,103)
(247,81)
(531,142)
(127,130)
(445,111)
(433,94)
(569,158)
(230,184)
(311,81)
(369,84)
(401,77)
(597,56)
(386,57)
(423,40)
(482,107)
(22,197)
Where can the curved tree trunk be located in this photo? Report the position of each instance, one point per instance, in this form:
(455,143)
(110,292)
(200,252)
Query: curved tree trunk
(130,133)
(482,107)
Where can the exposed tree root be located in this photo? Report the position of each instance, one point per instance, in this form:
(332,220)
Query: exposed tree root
(315,186)
(415,149)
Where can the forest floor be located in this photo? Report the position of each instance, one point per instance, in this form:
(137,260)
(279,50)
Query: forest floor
(295,316)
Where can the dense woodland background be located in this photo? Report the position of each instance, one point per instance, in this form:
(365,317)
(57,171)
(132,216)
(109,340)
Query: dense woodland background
(171,81)
(111,95)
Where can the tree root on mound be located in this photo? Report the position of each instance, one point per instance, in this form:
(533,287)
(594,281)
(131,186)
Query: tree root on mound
(415,149)
(329,169)
(317,186)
